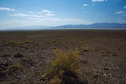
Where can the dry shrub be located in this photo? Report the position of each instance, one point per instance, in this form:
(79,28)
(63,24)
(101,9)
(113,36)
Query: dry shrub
(64,62)
(55,80)
(63,67)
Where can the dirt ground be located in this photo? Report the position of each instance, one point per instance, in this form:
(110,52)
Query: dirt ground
(25,55)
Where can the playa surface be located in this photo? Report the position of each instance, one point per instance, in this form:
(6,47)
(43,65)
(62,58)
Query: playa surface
(25,55)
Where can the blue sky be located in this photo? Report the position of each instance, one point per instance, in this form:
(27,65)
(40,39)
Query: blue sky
(20,13)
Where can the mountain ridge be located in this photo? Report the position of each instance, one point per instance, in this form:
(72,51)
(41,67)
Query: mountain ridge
(94,25)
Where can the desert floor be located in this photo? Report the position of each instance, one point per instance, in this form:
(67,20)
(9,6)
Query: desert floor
(26,55)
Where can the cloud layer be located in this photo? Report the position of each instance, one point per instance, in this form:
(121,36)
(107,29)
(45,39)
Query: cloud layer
(40,14)
(6,9)
(98,0)
(120,12)
(124,6)
(85,5)
(40,18)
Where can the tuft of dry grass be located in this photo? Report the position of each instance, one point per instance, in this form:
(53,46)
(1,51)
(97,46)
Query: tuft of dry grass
(14,67)
(22,44)
(14,43)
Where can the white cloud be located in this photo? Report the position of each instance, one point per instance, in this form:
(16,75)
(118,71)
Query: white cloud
(19,14)
(98,0)
(85,5)
(120,12)
(26,15)
(50,14)
(30,12)
(6,9)
(40,14)
(42,18)
(46,12)
(125,6)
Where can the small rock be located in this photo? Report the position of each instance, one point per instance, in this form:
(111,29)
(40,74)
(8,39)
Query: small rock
(83,61)
(2,75)
(18,55)
(105,75)
(43,78)
(106,69)
(95,76)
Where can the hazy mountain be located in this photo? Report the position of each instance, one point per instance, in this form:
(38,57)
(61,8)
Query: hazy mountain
(95,25)
(29,28)
(91,26)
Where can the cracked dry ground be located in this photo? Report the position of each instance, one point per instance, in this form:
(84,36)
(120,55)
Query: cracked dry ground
(25,56)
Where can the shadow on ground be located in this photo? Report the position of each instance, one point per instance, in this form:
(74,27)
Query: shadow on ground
(70,77)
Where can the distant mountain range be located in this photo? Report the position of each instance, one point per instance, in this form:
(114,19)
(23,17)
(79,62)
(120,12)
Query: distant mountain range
(28,28)
(95,25)
(79,26)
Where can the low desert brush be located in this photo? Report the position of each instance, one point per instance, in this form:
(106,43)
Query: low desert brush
(63,63)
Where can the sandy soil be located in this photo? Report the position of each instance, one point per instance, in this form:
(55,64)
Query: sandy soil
(25,56)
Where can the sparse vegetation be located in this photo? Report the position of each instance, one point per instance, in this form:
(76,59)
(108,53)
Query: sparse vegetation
(55,80)
(22,44)
(15,67)
(14,43)
(64,66)
(55,43)
(64,62)
(9,69)
(86,46)
(27,57)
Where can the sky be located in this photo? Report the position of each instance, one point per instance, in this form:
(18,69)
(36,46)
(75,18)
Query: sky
(22,13)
